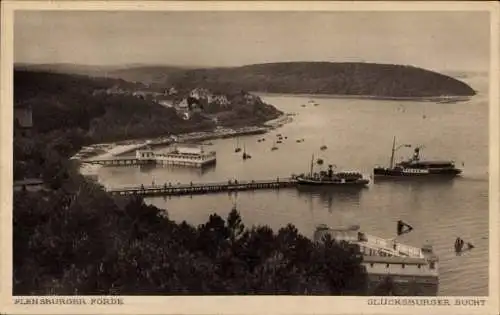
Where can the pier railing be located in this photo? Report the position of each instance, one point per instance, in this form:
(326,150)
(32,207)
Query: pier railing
(172,189)
(392,245)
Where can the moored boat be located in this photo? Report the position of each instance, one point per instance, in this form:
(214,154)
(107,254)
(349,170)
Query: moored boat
(332,178)
(392,268)
(415,167)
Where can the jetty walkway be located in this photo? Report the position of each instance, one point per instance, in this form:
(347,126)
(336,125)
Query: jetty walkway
(118,161)
(202,188)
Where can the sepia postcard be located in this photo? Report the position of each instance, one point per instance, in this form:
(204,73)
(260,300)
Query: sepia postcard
(232,157)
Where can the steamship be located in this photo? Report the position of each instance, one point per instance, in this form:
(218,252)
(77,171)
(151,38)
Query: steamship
(415,167)
(332,178)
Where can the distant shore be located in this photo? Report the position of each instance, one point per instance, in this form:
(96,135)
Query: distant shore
(458,98)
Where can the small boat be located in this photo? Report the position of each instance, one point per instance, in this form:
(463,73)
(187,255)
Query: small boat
(332,178)
(245,154)
(415,167)
(237,149)
(459,246)
(323,146)
(274,147)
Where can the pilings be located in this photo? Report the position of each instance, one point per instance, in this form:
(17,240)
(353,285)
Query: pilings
(160,161)
(120,161)
(203,188)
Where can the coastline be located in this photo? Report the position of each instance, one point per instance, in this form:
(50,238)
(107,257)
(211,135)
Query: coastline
(109,150)
(457,98)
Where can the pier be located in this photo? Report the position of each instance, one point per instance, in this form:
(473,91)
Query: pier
(180,155)
(202,188)
(118,161)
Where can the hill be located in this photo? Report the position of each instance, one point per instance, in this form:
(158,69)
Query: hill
(353,79)
(62,101)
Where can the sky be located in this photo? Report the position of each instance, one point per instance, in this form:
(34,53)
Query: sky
(432,40)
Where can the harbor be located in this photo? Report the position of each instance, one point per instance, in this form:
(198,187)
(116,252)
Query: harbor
(350,160)
(431,206)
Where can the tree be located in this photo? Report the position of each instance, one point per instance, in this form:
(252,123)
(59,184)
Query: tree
(234,225)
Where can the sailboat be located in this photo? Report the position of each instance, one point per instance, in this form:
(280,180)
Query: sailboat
(237,149)
(245,154)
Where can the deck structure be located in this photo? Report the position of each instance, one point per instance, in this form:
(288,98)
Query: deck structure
(169,189)
(412,270)
(193,156)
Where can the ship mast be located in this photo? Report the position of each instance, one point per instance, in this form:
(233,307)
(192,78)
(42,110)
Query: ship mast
(391,164)
(312,163)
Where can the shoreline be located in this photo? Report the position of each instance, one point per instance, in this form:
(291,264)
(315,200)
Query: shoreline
(457,98)
(109,150)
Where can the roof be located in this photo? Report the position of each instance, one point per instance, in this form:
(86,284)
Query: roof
(23,116)
(28,181)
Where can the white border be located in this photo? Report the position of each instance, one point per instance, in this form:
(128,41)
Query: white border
(224,304)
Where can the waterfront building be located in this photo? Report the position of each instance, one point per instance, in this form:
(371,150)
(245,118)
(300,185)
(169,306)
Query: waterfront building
(23,120)
(409,270)
(183,155)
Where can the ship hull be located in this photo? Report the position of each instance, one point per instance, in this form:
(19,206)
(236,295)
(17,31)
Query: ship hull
(385,173)
(308,182)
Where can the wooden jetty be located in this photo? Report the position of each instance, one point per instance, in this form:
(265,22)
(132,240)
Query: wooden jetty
(202,188)
(119,161)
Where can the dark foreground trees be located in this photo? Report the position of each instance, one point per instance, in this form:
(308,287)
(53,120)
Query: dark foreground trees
(78,240)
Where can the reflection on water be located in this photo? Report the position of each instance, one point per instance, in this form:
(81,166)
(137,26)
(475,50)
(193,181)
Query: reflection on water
(331,196)
(148,168)
(417,183)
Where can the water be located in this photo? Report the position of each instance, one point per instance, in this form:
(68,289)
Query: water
(358,134)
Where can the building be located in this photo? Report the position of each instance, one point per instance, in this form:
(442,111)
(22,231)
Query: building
(200,93)
(23,120)
(166,103)
(181,155)
(29,184)
(221,100)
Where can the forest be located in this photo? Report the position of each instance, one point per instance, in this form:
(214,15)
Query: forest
(64,101)
(335,78)
(73,238)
